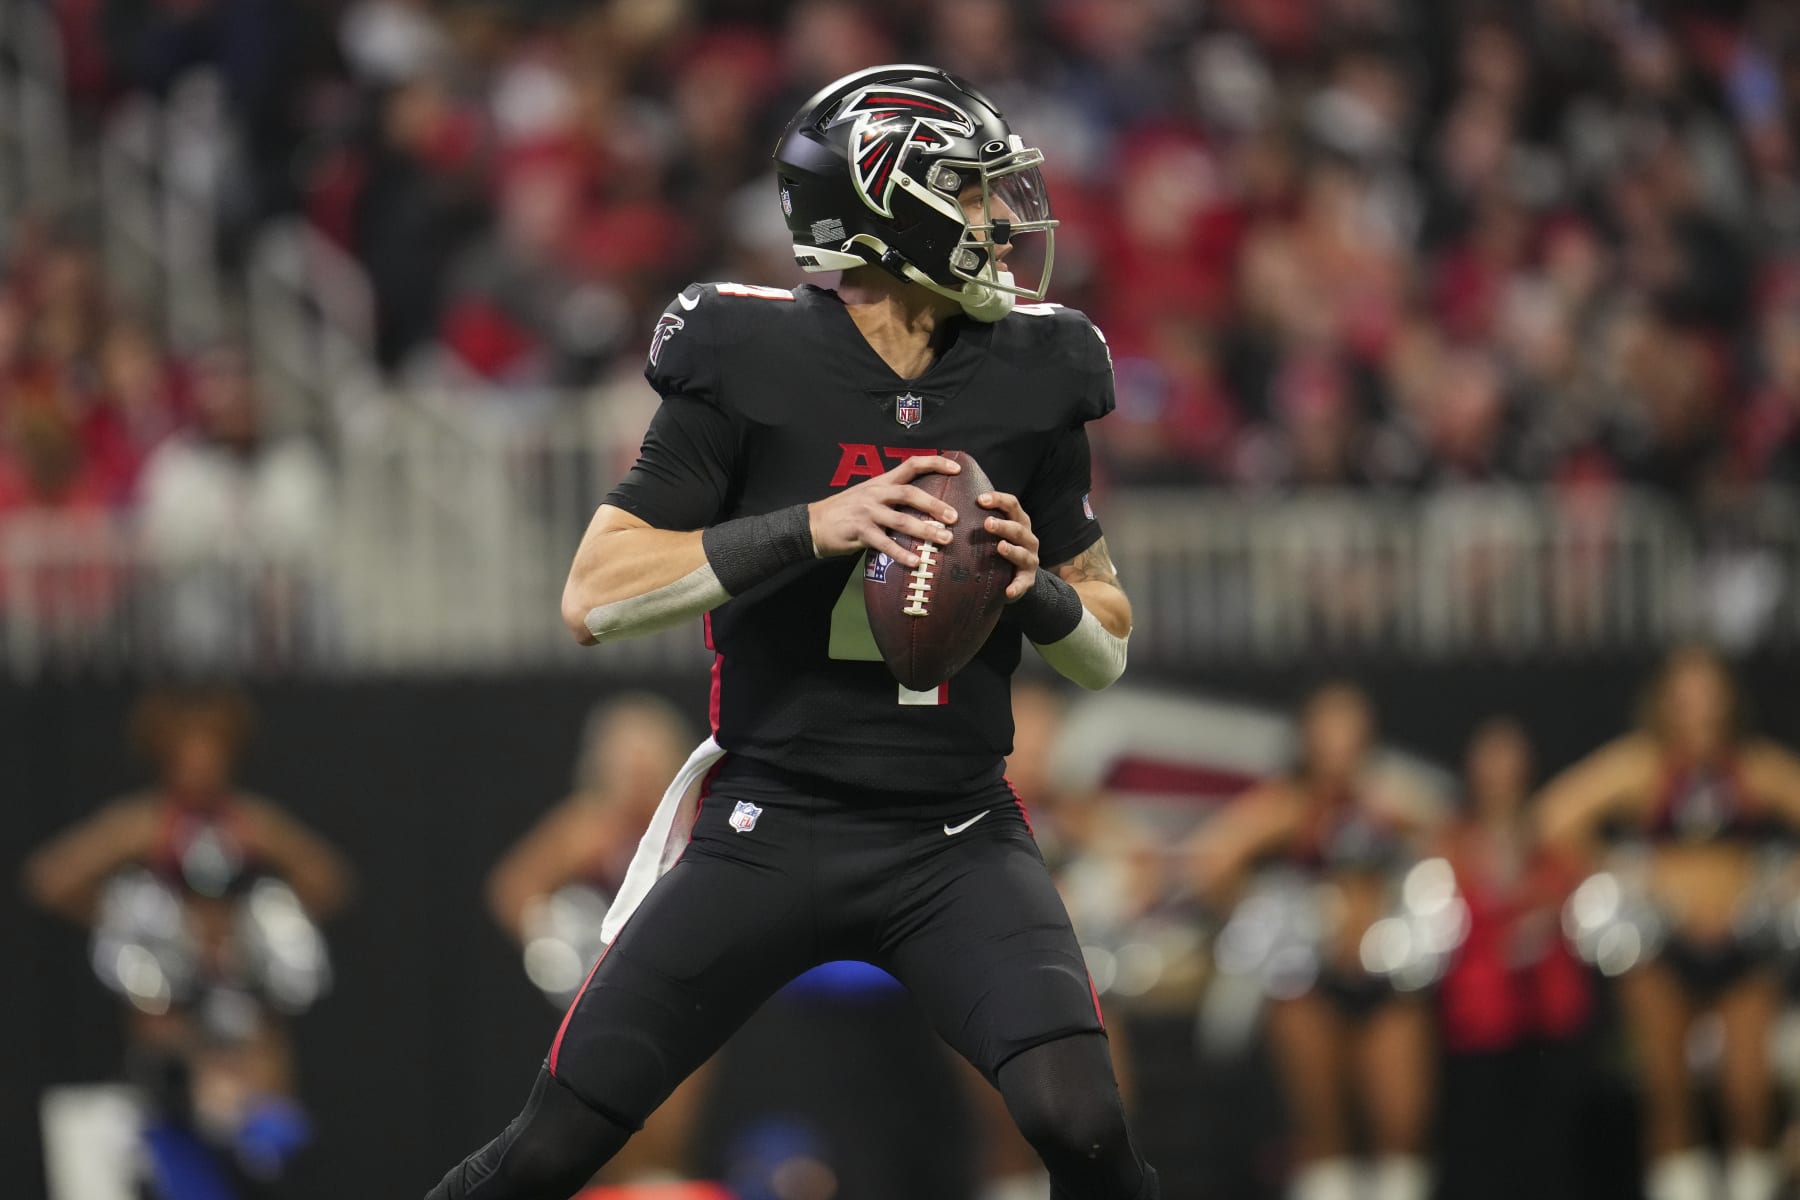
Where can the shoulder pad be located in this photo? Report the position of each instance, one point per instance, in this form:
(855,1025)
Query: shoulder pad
(1068,338)
(703,318)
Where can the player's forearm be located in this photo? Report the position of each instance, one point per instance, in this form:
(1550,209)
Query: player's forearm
(1109,604)
(629,578)
(1078,617)
(618,564)
(1075,632)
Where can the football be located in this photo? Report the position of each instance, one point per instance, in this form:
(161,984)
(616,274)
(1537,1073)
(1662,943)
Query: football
(929,622)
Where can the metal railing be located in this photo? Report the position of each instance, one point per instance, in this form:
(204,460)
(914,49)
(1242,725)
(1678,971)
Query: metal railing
(34,131)
(162,167)
(1497,570)
(165,169)
(311,324)
(455,516)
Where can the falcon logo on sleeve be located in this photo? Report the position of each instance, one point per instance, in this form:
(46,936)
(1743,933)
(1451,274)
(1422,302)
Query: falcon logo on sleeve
(666,327)
(892,123)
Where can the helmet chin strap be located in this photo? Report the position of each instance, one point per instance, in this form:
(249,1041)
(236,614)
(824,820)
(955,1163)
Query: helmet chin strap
(988,304)
(979,301)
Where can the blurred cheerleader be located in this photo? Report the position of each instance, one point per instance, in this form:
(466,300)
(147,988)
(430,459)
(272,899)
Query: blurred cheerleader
(1699,800)
(202,899)
(1344,1038)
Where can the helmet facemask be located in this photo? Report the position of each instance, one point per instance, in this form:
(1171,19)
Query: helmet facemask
(1014,212)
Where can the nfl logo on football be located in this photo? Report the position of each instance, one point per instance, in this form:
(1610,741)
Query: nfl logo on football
(876,571)
(909,410)
(743,817)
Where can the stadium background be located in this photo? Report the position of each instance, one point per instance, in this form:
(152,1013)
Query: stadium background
(1458,351)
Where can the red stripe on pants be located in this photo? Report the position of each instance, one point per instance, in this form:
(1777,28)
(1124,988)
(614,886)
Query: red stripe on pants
(561,1030)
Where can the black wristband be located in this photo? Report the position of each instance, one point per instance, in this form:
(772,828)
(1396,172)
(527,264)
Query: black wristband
(744,552)
(1050,610)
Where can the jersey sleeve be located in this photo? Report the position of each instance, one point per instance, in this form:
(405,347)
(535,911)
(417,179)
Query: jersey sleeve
(684,356)
(1058,499)
(688,462)
(685,468)
(1097,399)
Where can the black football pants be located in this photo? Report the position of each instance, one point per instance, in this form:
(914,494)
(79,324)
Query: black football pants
(785,872)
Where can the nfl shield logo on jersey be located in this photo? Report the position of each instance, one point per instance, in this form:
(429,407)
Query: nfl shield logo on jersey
(909,410)
(743,817)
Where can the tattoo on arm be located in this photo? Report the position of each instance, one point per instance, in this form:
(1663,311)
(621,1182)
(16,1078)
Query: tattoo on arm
(1093,565)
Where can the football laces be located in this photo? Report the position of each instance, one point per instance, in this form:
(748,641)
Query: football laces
(918,587)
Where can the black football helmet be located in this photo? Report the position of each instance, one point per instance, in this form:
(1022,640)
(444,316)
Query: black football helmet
(873,168)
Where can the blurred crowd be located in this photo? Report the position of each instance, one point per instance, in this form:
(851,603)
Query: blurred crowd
(1385,245)
(98,417)
(1332,242)
(99,414)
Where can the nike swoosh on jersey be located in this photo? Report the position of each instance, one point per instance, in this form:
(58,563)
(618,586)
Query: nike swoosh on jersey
(953,830)
(689,305)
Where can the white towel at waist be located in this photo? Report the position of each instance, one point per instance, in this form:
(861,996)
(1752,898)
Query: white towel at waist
(664,840)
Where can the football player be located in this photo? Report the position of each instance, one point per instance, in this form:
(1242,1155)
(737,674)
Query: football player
(842,816)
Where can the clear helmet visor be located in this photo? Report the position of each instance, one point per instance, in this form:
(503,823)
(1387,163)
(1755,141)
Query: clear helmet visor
(1017,187)
(1009,243)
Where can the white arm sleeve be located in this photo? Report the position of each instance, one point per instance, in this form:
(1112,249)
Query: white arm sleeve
(694,593)
(1090,655)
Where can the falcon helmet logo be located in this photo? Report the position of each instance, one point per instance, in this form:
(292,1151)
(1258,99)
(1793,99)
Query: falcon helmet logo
(892,123)
(909,410)
(666,327)
(743,817)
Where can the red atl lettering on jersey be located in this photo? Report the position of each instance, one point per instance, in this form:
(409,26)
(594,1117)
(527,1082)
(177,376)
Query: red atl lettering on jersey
(864,460)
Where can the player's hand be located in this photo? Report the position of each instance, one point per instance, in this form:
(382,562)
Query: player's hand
(1018,545)
(868,515)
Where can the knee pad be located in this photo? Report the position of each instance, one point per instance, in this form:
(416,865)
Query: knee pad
(548,1152)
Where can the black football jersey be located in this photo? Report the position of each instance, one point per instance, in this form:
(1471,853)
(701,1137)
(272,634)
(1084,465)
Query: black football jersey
(772,398)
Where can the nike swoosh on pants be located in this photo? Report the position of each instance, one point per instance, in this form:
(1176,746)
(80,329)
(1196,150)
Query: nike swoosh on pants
(953,830)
